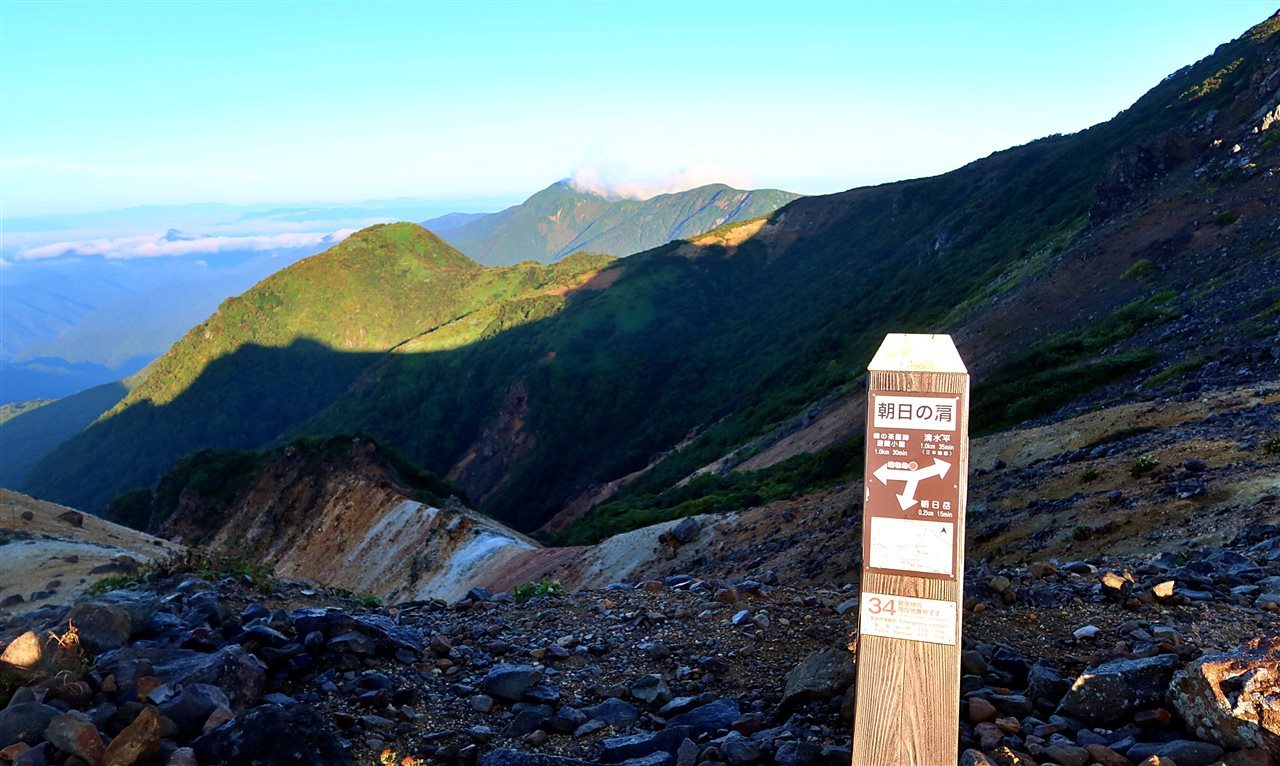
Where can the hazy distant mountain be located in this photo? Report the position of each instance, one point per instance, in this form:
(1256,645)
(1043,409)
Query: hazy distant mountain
(561,219)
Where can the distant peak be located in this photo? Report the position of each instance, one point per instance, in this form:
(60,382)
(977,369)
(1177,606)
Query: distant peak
(615,186)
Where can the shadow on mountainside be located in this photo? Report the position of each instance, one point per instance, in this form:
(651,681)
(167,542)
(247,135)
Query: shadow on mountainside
(1143,243)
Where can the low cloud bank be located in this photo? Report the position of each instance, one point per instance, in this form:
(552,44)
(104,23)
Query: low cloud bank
(174,243)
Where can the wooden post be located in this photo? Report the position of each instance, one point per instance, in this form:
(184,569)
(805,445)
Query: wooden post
(908,691)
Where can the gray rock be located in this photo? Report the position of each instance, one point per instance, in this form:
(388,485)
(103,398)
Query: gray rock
(189,706)
(738,749)
(528,721)
(101,627)
(1046,683)
(510,682)
(618,749)
(615,712)
(390,635)
(686,531)
(1067,755)
(819,677)
(36,756)
(709,718)
(1114,690)
(239,675)
(25,722)
(74,733)
(792,753)
(652,759)
(651,690)
(1182,752)
(271,735)
(1231,698)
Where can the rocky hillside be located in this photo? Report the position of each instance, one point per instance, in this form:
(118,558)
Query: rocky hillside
(51,554)
(1076,271)
(563,219)
(1115,661)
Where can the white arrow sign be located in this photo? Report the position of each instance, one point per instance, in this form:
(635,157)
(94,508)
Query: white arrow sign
(912,478)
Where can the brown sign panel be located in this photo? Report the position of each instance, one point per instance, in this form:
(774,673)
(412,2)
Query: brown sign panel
(912,491)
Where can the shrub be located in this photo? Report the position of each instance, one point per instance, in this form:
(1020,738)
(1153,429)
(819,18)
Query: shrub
(1089,475)
(1272,446)
(532,590)
(1143,465)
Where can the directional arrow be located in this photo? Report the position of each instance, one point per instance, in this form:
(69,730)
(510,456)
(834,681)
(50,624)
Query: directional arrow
(912,479)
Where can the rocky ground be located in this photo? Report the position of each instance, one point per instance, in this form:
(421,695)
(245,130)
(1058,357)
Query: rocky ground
(49,554)
(1167,659)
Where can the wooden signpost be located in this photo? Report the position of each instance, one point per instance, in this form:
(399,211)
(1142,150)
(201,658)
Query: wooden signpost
(908,690)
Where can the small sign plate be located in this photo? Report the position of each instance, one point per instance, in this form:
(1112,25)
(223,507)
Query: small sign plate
(915,619)
(912,496)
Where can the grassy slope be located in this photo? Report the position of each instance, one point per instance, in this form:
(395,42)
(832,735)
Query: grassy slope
(27,434)
(560,220)
(728,342)
(279,353)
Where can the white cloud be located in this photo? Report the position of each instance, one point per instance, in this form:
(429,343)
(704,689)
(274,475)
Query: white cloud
(168,244)
(618,183)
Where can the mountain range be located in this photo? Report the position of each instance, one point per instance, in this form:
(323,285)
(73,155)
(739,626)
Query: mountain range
(1134,258)
(562,219)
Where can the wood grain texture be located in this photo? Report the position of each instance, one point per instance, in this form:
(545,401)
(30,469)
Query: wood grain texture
(908,692)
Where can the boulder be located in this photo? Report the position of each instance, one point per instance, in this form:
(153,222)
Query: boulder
(25,722)
(615,712)
(271,735)
(1183,752)
(239,675)
(618,749)
(819,677)
(32,653)
(1233,699)
(138,742)
(190,706)
(709,718)
(74,733)
(101,626)
(1114,690)
(510,682)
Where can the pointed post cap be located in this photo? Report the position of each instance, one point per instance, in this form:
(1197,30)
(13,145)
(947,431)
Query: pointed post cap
(902,352)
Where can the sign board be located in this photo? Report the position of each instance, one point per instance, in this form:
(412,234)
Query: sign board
(908,685)
(912,485)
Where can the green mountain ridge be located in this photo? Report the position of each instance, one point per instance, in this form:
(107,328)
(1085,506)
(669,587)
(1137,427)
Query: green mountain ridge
(561,220)
(1073,269)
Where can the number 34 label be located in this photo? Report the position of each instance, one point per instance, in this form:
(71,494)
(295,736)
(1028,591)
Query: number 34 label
(914,619)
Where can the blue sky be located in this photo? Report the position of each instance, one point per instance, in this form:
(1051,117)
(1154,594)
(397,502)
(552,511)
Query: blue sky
(106,105)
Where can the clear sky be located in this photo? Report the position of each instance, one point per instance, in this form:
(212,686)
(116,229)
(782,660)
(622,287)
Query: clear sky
(106,105)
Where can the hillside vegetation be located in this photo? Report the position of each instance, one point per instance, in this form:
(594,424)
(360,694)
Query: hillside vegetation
(561,220)
(529,394)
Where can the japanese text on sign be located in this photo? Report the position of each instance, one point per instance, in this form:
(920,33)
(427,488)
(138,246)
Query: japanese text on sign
(915,619)
(915,412)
